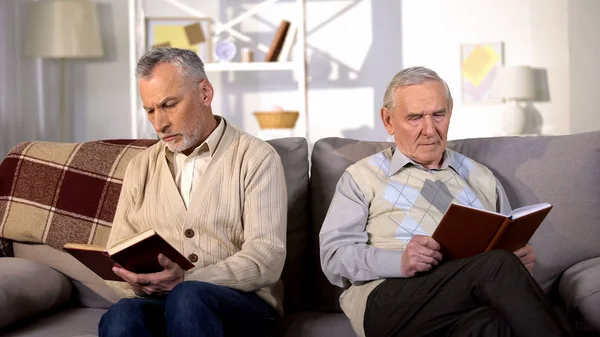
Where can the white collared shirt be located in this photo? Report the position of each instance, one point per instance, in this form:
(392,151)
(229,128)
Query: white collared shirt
(187,170)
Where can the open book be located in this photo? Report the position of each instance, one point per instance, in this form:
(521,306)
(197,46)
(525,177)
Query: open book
(138,254)
(466,231)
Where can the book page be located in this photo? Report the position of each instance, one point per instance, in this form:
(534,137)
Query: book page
(130,241)
(83,246)
(479,209)
(525,210)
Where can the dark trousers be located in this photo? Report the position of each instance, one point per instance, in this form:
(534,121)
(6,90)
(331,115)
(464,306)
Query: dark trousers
(192,308)
(491,294)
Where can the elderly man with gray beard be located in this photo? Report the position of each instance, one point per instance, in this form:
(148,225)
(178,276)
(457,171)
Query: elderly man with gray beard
(218,196)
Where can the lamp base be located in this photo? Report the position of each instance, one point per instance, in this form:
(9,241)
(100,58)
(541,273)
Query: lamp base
(513,122)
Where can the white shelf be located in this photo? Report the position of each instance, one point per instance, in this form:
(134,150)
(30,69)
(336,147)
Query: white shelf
(232,27)
(249,66)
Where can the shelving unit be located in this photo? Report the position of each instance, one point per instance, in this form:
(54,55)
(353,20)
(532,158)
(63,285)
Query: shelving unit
(298,65)
(249,66)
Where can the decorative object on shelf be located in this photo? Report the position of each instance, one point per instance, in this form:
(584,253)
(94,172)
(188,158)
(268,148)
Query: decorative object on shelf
(185,33)
(276,119)
(225,50)
(515,85)
(479,67)
(63,29)
(247,55)
(278,40)
(288,43)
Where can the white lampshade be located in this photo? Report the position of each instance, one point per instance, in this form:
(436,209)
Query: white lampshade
(515,83)
(63,29)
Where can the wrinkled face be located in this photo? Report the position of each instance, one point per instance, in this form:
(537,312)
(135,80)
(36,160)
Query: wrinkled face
(419,122)
(178,110)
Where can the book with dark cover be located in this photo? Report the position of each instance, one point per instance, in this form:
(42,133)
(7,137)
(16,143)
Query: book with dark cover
(466,231)
(138,254)
(277,43)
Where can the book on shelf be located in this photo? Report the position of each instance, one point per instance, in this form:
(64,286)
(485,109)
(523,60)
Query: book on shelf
(466,231)
(288,43)
(138,254)
(277,42)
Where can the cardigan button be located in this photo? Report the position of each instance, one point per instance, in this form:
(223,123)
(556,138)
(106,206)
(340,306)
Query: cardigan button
(189,233)
(193,258)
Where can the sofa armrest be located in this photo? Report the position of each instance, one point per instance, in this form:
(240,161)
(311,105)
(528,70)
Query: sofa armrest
(28,288)
(580,289)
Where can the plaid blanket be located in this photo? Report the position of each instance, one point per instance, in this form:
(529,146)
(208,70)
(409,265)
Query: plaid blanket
(54,193)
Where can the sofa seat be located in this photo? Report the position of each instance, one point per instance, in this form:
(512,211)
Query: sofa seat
(71,322)
(83,322)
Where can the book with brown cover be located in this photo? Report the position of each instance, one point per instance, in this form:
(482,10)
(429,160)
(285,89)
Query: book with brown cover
(138,254)
(466,231)
(277,42)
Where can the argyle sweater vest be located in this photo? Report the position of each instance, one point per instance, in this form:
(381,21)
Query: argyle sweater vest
(413,200)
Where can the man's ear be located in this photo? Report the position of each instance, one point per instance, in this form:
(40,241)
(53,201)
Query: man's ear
(207,91)
(386,118)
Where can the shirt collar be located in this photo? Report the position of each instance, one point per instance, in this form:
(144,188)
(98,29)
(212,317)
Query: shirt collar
(211,142)
(400,160)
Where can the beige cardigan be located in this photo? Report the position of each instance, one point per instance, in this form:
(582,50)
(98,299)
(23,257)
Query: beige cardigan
(238,218)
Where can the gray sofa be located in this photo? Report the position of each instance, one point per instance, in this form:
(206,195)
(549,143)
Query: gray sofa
(50,294)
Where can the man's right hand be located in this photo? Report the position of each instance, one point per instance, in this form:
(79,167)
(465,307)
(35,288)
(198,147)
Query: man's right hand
(421,254)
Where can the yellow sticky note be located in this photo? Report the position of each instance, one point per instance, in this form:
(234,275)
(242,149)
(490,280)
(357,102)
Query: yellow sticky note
(174,35)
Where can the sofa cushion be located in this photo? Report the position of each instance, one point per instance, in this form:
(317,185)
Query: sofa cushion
(71,322)
(28,288)
(561,170)
(56,193)
(580,289)
(330,158)
(315,324)
(294,157)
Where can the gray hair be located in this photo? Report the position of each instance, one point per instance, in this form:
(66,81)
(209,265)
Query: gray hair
(189,64)
(412,76)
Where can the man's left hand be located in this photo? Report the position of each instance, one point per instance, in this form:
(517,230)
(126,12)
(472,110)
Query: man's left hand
(527,256)
(159,283)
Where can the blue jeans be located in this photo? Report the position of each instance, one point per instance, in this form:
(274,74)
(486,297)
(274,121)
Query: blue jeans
(192,308)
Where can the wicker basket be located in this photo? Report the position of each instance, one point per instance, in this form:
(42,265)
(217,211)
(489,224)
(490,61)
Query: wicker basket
(276,119)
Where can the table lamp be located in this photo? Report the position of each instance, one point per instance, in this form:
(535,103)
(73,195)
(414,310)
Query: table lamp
(62,29)
(514,84)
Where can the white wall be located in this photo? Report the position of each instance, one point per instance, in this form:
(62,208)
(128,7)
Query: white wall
(584,47)
(355,48)
(99,89)
(532,33)
(550,52)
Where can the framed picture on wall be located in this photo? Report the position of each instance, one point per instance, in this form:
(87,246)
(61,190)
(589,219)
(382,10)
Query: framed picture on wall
(186,33)
(479,65)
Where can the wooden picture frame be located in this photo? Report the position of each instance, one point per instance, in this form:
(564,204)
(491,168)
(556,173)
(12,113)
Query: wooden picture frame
(186,33)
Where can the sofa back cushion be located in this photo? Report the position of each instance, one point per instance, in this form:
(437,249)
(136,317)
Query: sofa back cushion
(561,170)
(330,158)
(296,276)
